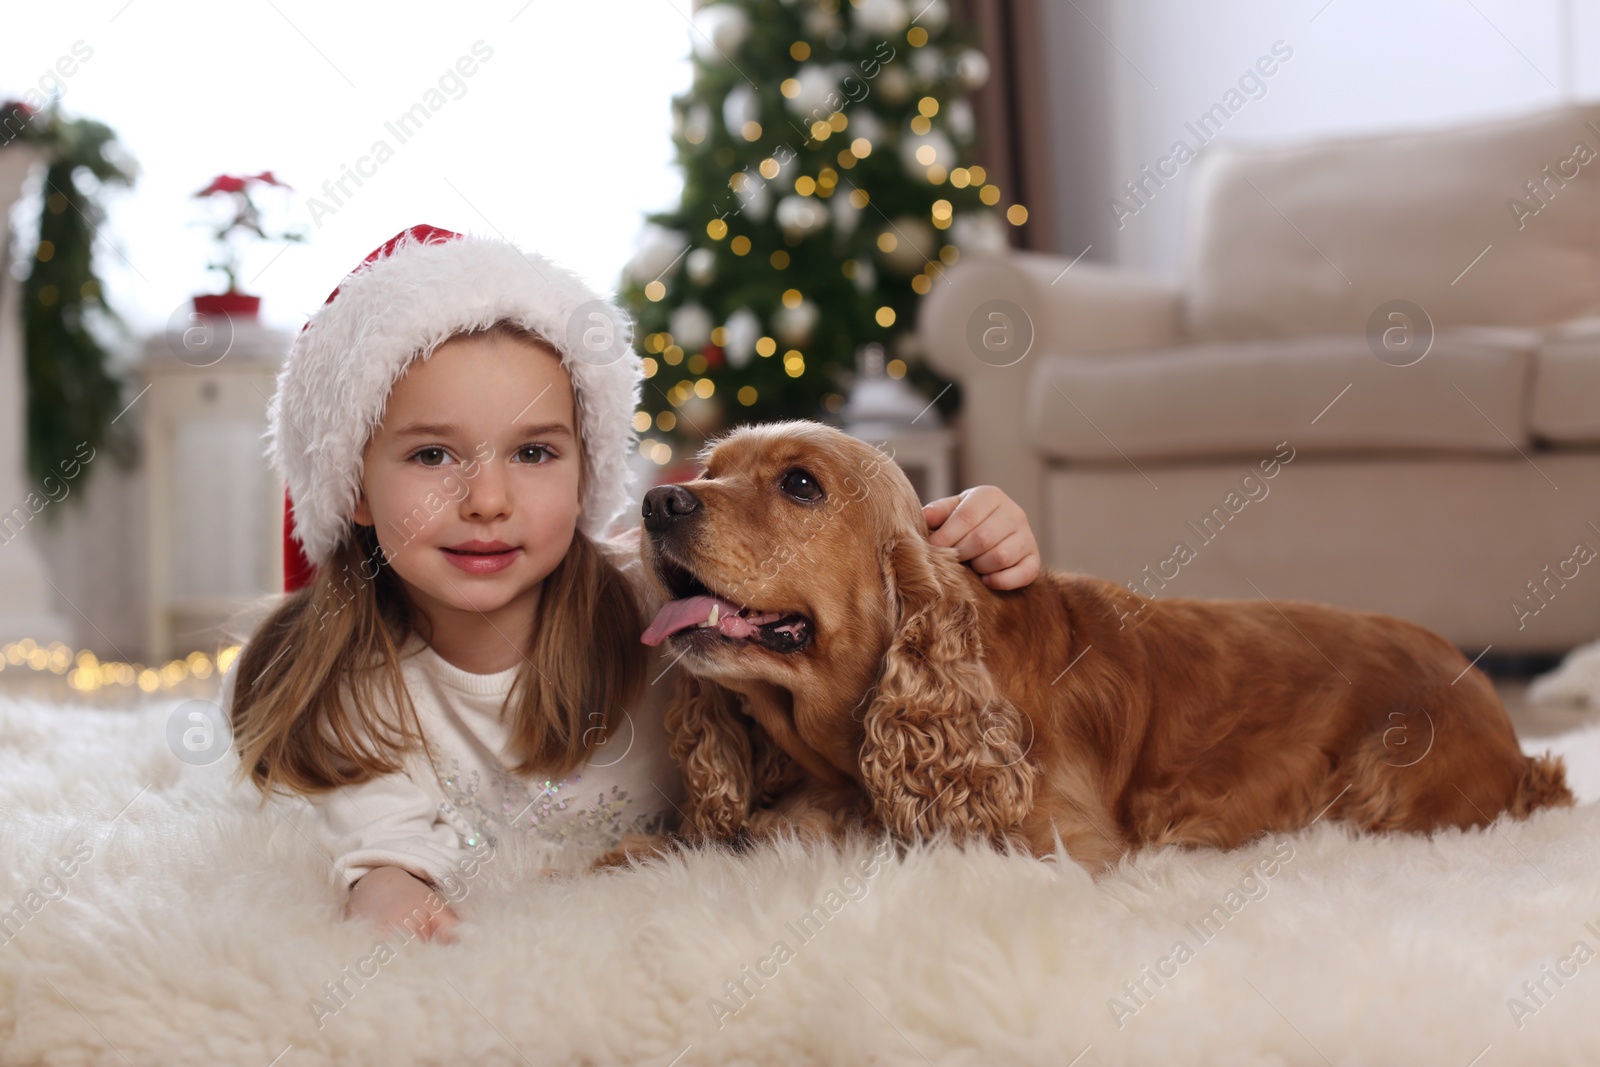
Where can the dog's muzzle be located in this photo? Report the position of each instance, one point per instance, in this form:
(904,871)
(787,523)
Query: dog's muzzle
(667,506)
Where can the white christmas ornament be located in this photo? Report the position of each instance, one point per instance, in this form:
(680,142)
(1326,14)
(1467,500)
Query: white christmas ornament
(978,232)
(794,325)
(701,265)
(932,16)
(895,83)
(959,118)
(821,24)
(972,67)
(818,81)
(801,215)
(914,245)
(657,250)
(697,124)
(690,326)
(757,200)
(884,18)
(703,415)
(743,330)
(866,278)
(928,64)
(846,215)
(739,107)
(864,123)
(719,31)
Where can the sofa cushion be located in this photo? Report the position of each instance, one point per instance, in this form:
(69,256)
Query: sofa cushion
(1320,394)
(1311,239)
(1566,386)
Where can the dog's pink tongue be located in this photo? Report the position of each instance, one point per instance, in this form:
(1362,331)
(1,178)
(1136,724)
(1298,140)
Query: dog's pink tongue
(677,615)
(691,611)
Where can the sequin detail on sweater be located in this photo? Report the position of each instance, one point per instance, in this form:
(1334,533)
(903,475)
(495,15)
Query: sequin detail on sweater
(559,812)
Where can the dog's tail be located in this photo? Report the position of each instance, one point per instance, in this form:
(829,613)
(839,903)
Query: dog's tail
(1543,785)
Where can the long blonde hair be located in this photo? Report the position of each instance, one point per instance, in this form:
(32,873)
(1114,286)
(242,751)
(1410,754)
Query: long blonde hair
(314,675)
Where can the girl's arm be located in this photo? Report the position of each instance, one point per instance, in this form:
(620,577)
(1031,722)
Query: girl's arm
(387,822)
(988,530)
(391,850)
(388,849)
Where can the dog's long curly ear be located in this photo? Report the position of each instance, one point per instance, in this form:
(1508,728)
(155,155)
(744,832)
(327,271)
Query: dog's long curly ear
(711,745)
(774,772)
(943,750)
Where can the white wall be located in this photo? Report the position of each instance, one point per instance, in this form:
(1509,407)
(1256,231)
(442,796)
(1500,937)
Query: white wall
(559,141)
(1126,75)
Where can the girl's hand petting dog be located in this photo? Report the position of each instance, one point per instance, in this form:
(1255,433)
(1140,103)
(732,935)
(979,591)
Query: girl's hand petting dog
(393,896)
(989,531)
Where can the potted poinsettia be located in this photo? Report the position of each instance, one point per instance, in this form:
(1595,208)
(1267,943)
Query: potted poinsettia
(245,219)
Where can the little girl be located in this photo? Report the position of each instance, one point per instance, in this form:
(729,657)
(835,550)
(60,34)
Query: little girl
(459,658)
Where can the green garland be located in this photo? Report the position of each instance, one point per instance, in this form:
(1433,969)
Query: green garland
(73,392)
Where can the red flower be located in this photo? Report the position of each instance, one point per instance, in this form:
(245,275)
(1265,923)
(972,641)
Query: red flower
(223,183)
(228,183)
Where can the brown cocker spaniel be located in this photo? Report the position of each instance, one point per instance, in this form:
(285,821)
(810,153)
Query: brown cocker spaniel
(842,672)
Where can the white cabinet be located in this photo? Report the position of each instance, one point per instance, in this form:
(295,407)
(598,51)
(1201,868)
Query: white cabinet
(215,506)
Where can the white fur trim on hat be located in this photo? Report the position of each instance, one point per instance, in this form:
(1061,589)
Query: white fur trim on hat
(335,384)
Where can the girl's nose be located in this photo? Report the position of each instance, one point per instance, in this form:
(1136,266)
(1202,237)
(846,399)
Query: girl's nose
(486,497)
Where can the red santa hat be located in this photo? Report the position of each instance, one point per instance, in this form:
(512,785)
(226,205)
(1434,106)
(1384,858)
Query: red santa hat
(418,289)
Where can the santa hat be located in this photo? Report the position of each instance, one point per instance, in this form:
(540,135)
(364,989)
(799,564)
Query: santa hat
(421,287)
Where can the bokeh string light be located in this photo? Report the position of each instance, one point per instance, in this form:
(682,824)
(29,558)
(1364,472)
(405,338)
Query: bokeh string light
(86,673)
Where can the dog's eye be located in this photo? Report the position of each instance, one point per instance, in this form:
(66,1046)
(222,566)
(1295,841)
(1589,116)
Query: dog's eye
(801,485)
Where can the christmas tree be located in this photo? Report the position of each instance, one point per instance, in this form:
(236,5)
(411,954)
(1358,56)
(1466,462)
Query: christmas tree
(825,149)
(74,388)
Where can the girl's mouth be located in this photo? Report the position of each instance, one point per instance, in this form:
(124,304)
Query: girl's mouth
(482,557)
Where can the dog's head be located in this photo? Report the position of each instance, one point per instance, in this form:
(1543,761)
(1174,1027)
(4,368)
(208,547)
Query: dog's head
(771,556)
(800,558)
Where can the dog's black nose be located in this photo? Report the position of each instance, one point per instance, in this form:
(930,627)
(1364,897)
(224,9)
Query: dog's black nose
(665,504)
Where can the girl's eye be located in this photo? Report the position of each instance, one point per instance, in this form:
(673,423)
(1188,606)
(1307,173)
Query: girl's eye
(430,457)
(534,454)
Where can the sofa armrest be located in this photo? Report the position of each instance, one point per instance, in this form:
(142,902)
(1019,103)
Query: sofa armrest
(1087,308)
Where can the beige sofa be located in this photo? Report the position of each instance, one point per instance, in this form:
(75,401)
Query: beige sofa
(1266,429)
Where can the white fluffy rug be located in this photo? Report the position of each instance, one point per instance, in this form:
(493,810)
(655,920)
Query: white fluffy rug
(194,929)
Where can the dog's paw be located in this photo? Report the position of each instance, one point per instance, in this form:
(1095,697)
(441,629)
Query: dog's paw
(633,848)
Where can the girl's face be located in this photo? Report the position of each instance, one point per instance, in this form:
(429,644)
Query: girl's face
(471,482)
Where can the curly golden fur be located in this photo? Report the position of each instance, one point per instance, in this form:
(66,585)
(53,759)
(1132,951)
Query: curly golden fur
(922,702)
